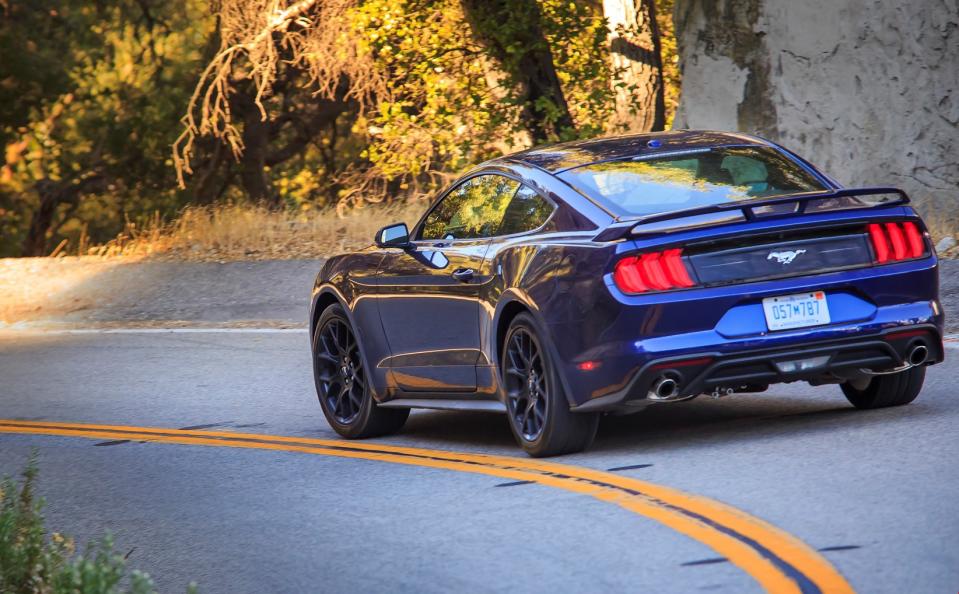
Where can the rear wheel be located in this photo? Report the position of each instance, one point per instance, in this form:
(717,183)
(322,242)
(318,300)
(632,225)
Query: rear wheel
(880,391)
(342,382)
(536,405)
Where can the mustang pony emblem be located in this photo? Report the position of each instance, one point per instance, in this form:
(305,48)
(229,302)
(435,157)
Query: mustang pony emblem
(785,257)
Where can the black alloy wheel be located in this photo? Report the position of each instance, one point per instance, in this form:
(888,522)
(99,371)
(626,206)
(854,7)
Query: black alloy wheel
(526,386)
(539,413)
(342,383)
(342,380)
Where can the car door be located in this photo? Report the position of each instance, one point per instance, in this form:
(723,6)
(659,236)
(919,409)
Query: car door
(429,292)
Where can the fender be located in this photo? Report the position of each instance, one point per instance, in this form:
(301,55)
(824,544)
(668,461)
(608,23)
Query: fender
(378,387)
(516,295)
(319,292)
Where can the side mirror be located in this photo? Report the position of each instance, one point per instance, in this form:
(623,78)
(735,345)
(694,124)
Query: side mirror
(396,236)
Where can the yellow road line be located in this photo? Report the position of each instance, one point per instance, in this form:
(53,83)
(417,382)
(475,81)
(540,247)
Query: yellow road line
(778,561)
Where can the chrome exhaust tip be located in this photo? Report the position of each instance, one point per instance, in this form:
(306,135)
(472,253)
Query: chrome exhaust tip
(665,388)
(918,354)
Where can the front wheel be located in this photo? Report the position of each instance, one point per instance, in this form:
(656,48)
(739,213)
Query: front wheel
(881,391)
(538,412)
(342,382)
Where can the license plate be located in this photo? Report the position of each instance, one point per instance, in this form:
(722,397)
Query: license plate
(796,311)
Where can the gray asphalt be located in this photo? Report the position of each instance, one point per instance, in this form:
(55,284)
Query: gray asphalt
(876,490)
(89,292)
(84,293)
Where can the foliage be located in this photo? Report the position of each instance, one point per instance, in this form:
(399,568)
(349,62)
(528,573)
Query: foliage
(440,107)
(452,104)
(295,104)
(29,563)
(576,32)
(120,76)
(430,98)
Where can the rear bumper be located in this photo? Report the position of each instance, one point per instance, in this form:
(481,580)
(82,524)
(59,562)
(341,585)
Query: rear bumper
(634,332)
(752,370)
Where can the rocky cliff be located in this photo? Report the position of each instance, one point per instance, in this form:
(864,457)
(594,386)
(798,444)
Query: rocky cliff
(866,89)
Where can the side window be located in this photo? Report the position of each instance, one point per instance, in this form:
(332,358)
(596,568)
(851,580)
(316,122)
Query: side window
(526,211)
(472,210)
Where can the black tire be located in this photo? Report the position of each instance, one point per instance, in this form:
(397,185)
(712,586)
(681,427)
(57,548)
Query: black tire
(895,389)
(536,404)
(342,384)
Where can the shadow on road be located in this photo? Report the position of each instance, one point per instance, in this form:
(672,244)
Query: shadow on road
(677,426)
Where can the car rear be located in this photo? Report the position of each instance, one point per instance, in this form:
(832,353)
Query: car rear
(733,294)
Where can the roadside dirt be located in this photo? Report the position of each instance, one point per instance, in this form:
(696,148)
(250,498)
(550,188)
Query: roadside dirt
(949,292)
(94,292)
(112,293)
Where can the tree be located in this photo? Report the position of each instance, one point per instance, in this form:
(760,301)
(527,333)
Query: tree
(261,41)
(513,33)
(426,96)
(299,120)
(636,54)
(292,103)
(87,150)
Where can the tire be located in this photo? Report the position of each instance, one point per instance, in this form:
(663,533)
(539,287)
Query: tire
(536,404)
(887,390)
(342,384)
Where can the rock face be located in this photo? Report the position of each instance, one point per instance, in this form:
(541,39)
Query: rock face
(868,90)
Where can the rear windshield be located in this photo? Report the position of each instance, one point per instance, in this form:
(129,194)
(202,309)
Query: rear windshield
(654,184)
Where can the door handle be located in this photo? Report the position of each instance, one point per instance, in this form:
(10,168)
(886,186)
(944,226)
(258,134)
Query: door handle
(464,275)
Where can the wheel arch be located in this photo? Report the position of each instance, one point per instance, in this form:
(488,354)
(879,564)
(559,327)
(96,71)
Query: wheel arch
(328,296)
(508,313)
(323,299)
(511,305)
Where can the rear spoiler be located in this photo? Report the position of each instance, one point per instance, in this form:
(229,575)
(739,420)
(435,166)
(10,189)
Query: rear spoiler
(750,210)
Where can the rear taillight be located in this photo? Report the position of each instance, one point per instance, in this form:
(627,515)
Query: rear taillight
(892,242)
(657,271)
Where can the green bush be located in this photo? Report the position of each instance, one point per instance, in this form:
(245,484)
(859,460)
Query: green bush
(32,564)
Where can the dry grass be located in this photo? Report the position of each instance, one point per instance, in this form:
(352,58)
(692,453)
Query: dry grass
(248,232)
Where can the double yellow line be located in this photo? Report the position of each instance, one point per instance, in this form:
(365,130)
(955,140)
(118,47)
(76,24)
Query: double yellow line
(778,561)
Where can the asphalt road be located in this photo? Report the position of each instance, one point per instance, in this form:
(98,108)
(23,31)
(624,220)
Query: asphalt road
(874,491)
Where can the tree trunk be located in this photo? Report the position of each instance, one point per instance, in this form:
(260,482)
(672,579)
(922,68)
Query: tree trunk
(210,172)
(256,140)
(544,111)
(52,195)
(637,65)
(35,243)
(253,162)
(723,47)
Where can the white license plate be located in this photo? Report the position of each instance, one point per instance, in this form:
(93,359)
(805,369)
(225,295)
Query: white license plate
(796,311)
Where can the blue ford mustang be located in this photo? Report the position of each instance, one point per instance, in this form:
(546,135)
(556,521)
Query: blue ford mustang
(560,283)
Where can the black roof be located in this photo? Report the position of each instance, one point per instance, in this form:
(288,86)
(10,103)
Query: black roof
(559,157)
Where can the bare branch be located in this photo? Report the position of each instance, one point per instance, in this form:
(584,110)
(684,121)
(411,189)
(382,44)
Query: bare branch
(312,36)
